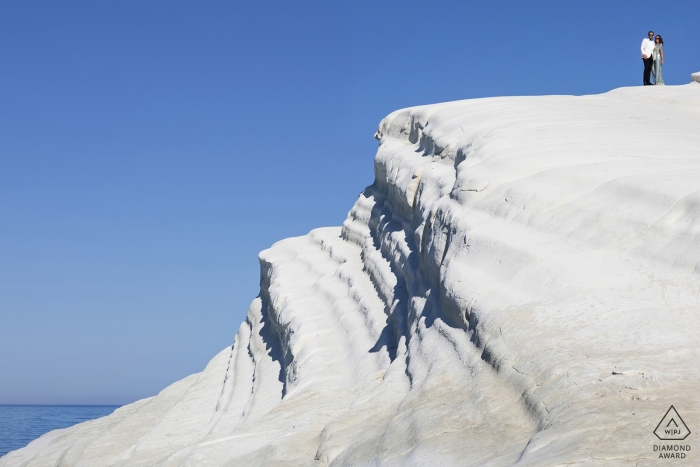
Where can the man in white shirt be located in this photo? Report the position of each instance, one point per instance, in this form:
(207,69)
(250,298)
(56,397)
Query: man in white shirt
(647,49)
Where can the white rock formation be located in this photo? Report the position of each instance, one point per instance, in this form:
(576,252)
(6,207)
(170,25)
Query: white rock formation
(519,286)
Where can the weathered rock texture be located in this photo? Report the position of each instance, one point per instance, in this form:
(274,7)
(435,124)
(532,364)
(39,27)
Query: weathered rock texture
(519,286)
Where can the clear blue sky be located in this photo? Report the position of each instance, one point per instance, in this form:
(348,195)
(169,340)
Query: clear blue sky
(150,150)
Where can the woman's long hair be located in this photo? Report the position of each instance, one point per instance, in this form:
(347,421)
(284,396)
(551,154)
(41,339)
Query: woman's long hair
(661,40)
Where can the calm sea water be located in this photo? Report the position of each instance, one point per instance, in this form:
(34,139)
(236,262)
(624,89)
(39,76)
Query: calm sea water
(21,424)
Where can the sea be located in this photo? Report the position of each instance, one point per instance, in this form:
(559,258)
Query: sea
(21,424)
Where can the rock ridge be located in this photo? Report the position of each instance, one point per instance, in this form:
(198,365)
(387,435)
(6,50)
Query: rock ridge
(520,285)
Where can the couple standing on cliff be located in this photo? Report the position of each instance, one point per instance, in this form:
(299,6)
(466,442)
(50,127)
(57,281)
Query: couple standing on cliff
(653,56)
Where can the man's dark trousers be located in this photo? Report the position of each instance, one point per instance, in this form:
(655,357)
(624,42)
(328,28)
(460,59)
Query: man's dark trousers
(648,63)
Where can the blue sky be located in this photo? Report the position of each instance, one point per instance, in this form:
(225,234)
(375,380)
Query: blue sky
(150,150)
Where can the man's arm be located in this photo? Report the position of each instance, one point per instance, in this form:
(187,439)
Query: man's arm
(642,49)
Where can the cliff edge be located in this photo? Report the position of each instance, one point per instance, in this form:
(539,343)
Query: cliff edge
(519,286)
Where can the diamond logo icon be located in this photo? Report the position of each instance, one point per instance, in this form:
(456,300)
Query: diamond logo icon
(672,426)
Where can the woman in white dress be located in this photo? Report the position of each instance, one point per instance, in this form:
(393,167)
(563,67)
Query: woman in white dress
(658,56)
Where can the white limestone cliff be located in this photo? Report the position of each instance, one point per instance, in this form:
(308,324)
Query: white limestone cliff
(519,286)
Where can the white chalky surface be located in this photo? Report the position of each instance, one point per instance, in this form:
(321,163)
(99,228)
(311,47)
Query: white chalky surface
(519,286)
